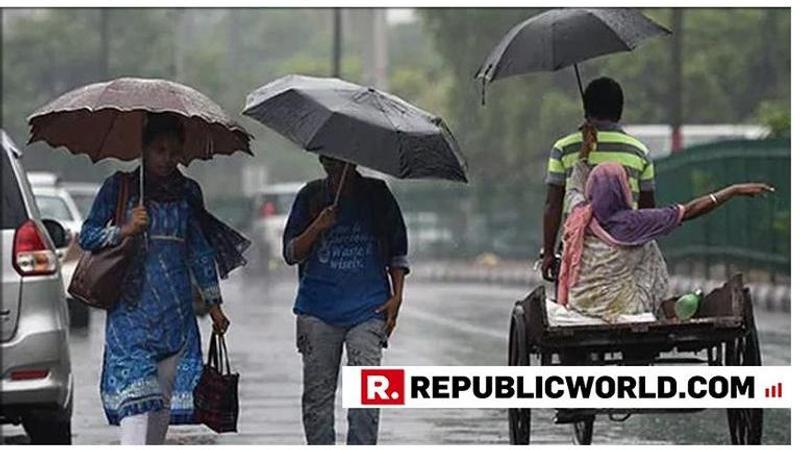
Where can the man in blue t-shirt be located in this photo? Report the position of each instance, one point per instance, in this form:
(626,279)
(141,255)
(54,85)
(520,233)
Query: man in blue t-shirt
(352,264)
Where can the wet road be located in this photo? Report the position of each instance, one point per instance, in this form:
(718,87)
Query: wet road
(439,325)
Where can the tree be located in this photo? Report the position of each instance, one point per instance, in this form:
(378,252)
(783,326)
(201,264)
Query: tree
(70,51)
(728,72)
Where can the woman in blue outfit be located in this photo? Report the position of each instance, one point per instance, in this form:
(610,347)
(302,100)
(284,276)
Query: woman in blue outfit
(152,359)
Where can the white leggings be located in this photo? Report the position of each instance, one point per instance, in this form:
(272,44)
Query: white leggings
(151,427)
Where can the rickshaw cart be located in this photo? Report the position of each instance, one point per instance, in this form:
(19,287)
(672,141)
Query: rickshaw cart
(722,331)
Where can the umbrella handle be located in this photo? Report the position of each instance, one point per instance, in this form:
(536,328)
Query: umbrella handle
(141,194)
(141,182)
(580,85)
(483,91)
(341,185)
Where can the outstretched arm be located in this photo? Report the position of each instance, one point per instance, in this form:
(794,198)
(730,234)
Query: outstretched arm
(707,203)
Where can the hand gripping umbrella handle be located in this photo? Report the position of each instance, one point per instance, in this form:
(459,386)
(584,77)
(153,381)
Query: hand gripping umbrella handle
(341,184)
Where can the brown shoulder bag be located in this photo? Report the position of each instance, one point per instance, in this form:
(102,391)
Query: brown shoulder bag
(99,275)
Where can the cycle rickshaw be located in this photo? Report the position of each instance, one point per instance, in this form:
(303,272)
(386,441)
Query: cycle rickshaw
(722,332)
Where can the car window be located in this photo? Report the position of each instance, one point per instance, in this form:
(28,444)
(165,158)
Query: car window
(13,213)
(53,207)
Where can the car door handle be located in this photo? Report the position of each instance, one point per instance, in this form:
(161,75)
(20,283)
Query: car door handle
(5,312)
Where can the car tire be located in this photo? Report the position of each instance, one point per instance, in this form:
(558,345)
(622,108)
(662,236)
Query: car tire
(78,313)
(51,428)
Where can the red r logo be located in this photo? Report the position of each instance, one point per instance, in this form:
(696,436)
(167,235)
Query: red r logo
(382,387)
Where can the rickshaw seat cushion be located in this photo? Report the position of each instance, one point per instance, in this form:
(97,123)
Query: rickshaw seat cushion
(561,316)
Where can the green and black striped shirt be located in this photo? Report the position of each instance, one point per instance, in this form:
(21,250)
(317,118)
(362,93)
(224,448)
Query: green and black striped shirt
(613,144)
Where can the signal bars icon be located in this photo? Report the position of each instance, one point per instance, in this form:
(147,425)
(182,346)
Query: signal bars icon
(775,391)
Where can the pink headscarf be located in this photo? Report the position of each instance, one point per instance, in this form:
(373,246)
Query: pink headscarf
(608,212)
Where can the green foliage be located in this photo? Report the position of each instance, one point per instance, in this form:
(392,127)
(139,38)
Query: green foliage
(775,116)
(735,70)
(781,224)
(222,53)
(733,60)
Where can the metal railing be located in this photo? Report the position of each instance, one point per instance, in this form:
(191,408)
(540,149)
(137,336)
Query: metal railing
(748,234)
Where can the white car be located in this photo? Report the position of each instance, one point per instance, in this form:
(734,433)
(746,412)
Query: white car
(36,389)
(56,203)
(272,206)
(83,195)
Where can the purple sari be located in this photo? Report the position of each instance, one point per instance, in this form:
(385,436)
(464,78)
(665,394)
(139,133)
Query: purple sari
(608,212)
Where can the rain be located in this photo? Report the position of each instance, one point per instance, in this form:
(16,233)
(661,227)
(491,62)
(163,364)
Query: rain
(709,99)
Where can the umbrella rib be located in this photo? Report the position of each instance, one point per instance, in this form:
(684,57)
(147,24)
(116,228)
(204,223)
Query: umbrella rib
(207,153)
(107,132)
(615,34)
(396,135)
(123,97)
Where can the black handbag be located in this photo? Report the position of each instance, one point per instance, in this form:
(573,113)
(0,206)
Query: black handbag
(99,274)
(216,396)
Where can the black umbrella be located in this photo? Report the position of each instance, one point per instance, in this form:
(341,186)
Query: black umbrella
(359,125)
(564,37)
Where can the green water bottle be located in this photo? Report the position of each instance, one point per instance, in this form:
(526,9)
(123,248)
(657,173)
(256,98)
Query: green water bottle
(687,305)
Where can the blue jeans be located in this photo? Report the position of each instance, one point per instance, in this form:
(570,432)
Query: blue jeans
(321,346)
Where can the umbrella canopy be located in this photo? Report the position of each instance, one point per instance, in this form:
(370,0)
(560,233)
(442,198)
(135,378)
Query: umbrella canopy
(105,120)
(359,125)
(564,37)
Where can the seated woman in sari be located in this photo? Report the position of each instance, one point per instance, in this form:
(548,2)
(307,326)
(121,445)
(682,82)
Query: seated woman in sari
(611,264)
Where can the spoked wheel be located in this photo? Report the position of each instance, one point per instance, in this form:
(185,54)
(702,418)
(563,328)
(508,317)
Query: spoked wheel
(582,431)
(519,419)
(746,425)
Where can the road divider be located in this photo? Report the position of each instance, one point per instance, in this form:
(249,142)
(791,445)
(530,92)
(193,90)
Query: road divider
(770,297)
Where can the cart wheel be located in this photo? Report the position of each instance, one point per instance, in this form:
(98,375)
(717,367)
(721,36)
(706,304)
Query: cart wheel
(746,425)
(519,420)
(582,431)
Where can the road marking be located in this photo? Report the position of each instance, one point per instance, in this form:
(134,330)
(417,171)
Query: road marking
(459,325)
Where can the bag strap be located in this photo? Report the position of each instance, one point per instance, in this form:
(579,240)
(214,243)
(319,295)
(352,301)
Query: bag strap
(213,352)
(216,352)
(224,351)
(122,200)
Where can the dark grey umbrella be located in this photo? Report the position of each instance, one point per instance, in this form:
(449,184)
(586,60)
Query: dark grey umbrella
(564,37)
(359,125)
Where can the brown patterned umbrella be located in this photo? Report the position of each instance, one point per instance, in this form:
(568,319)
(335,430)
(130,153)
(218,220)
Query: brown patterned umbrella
(105,120)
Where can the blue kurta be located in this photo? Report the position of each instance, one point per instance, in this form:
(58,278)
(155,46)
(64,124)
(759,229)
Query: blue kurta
(154,318)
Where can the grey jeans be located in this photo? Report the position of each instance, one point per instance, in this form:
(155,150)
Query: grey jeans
(321,346)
